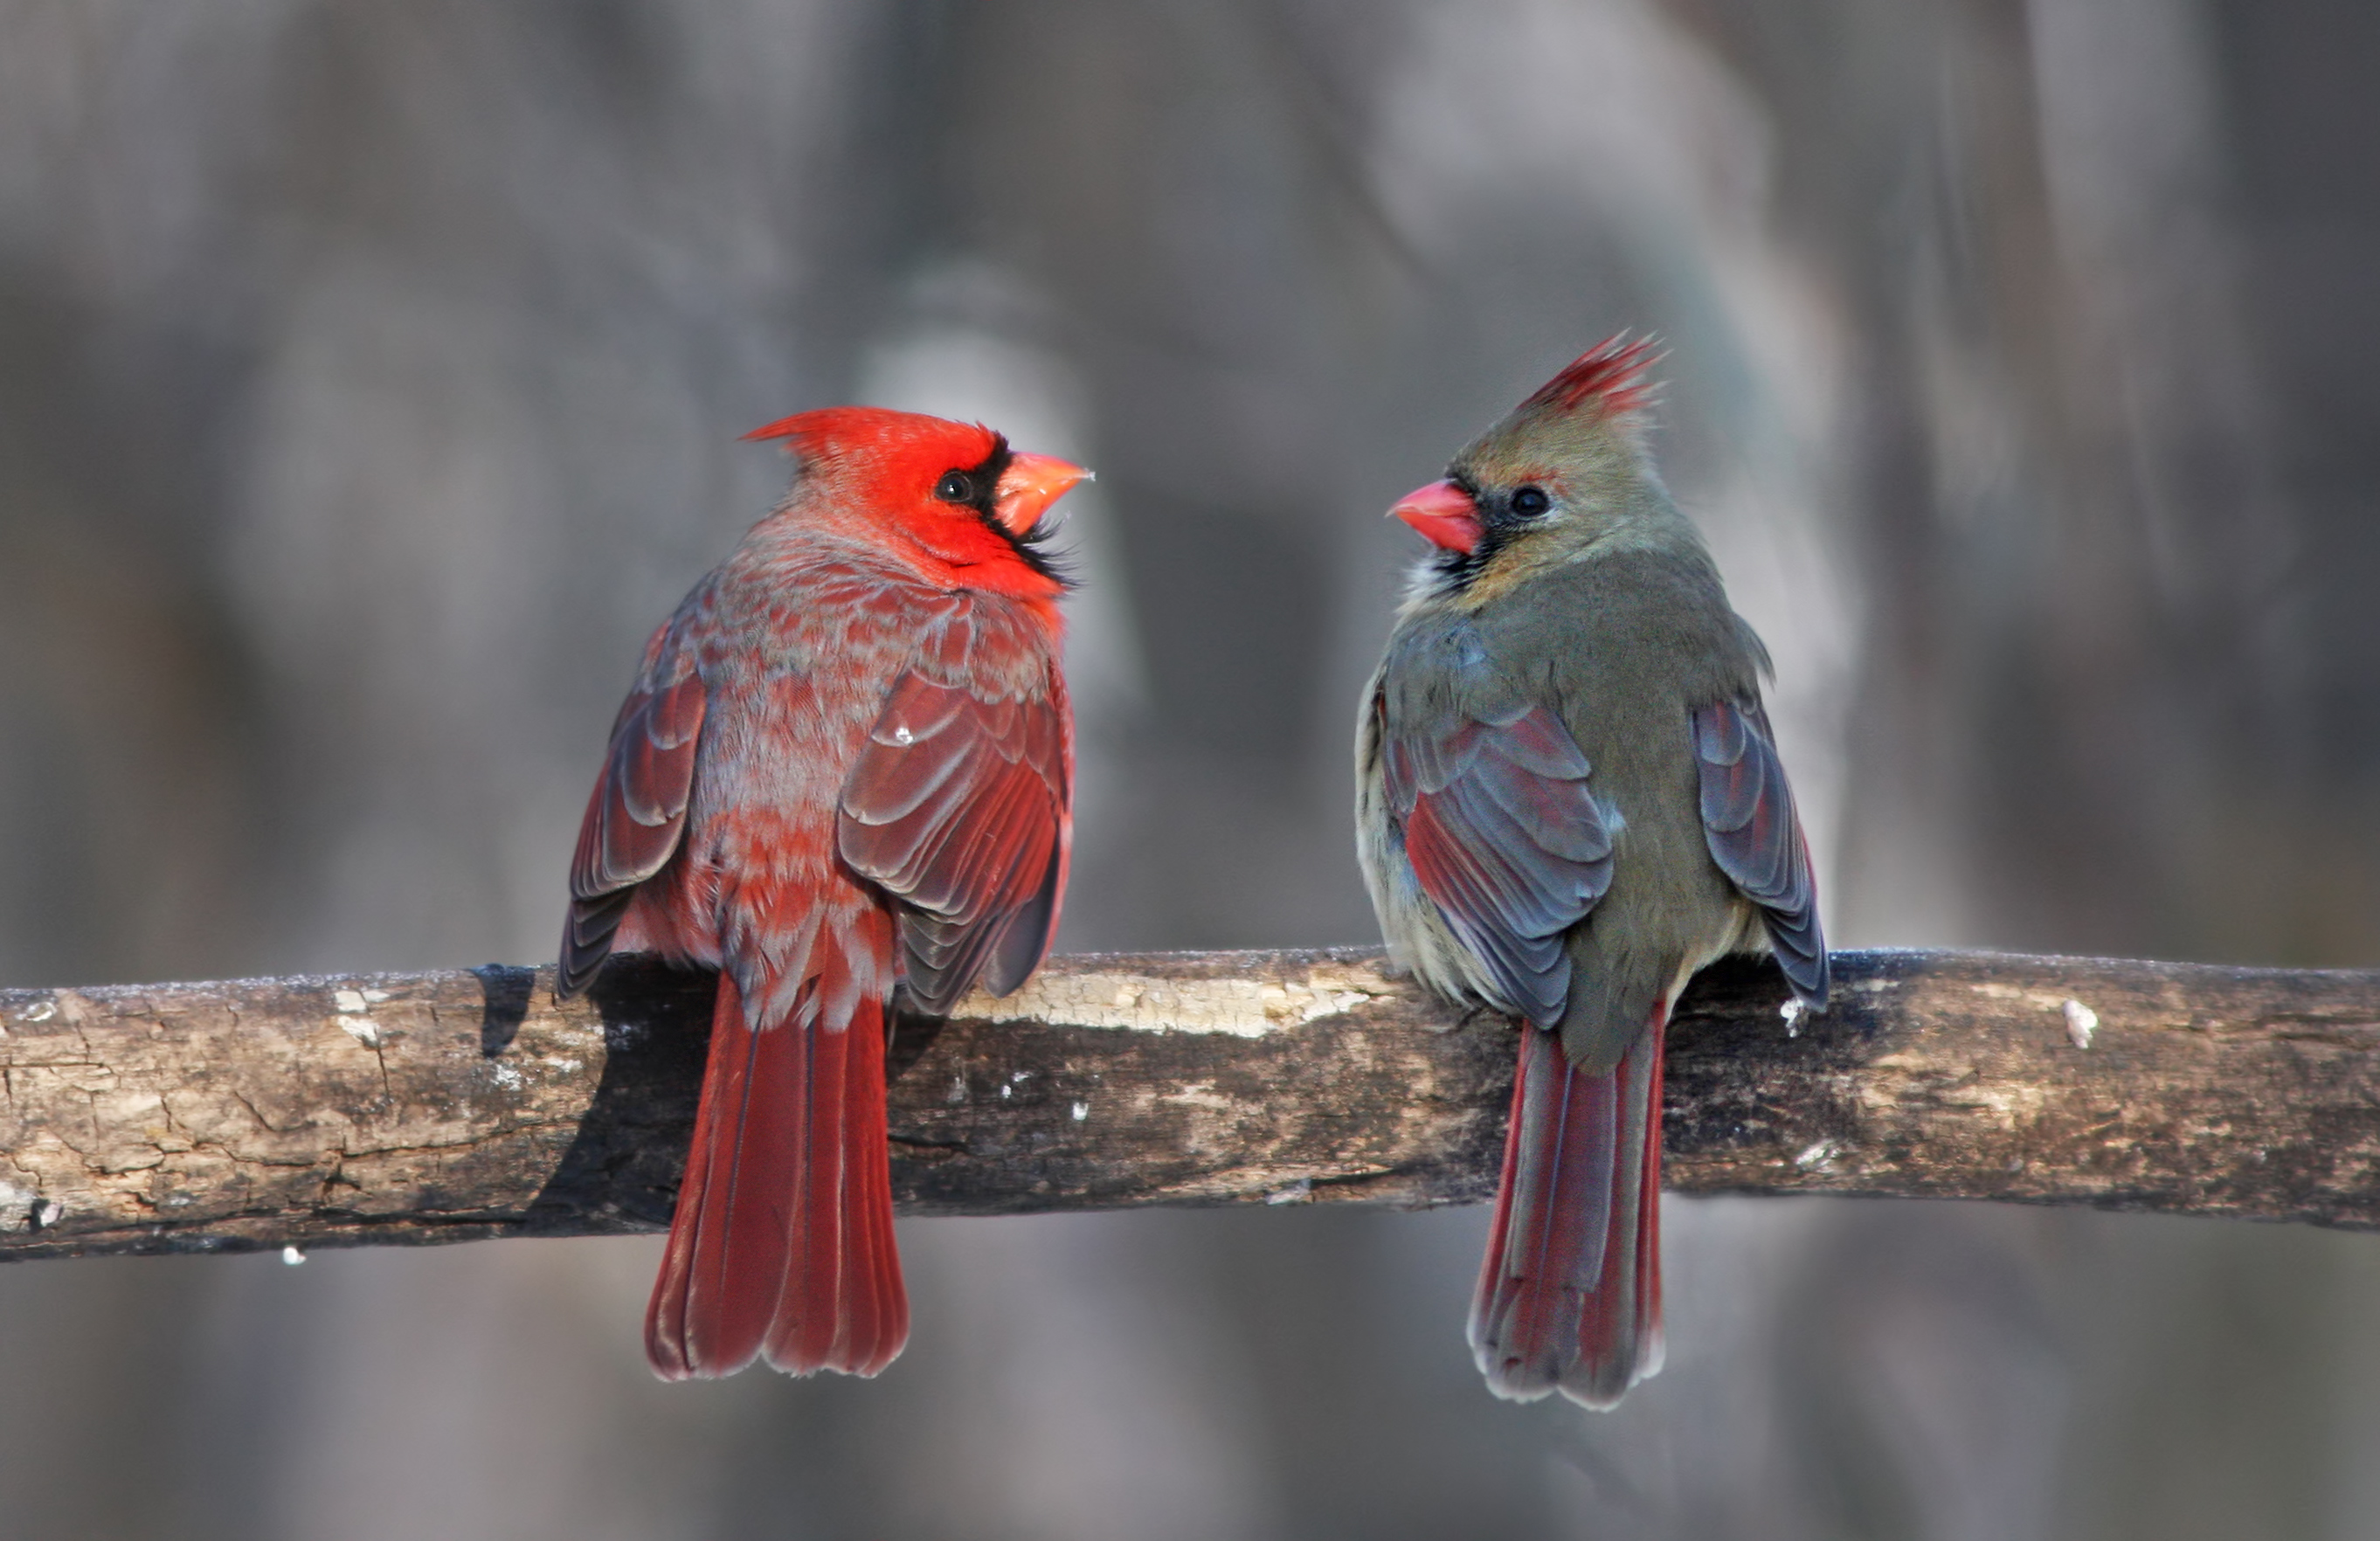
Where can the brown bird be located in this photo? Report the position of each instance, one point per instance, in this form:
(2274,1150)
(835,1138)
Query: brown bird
(1568,801)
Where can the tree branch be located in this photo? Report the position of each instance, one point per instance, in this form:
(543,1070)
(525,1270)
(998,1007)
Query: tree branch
(453,1106)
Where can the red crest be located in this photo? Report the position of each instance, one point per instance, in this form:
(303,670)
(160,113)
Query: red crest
(1608,379)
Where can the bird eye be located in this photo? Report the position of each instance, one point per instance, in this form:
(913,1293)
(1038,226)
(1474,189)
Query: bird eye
(954,487)
(1530,502)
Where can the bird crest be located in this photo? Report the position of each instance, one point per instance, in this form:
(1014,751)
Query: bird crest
(1608,380)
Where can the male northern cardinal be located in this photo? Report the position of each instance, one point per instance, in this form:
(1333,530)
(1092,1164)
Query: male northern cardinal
(845,778)
(1568,801)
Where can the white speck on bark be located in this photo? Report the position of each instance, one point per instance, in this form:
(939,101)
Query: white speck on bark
(1792,1012)
(1199,1093)
(1299,1192)
(1817,1158)
(2081,1022)
(1080,1110)
(292,1256)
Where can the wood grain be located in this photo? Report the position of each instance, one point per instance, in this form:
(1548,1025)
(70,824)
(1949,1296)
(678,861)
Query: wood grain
(455,1105)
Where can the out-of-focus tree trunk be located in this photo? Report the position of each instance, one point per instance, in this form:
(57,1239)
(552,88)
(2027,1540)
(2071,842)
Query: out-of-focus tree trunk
(2083,702)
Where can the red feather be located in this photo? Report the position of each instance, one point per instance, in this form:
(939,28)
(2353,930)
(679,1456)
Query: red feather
(1570,1292)
(954,809)
(1608,379)
(846,770)
(805,1269)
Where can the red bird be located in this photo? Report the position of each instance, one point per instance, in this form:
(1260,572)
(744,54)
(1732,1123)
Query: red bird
(845,778)
(1568,802)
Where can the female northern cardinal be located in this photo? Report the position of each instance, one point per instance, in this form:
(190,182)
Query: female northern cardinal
(845,778)
(1567,802)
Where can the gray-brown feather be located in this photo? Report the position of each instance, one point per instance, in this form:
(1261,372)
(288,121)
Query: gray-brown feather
(1618,621)
(1568,802)
(1624,646)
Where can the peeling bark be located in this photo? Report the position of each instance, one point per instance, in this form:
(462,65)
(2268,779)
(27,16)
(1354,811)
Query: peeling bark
(456,1106)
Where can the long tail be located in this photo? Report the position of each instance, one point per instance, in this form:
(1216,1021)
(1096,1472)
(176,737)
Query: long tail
(782,1240)
(1570,1295)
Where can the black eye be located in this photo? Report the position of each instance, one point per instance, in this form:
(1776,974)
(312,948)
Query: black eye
(1530,502)
(954,487)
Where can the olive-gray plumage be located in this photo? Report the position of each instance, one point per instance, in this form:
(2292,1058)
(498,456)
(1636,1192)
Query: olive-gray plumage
(1568,802)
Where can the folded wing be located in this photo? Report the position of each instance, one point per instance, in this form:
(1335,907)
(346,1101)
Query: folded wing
(637,815)
(1505,838)
(960,807)
(1756,838)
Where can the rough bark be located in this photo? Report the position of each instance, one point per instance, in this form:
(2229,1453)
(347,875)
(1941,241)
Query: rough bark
(455,1105)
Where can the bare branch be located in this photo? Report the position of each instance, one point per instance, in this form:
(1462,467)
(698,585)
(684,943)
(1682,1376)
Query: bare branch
(453,1106)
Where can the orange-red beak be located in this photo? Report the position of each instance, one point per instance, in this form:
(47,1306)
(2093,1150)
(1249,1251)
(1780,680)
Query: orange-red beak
(1030,486)
(1443,514)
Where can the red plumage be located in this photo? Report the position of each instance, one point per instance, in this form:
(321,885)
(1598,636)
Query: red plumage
(1608,379)
(1572,1274)
(844,779)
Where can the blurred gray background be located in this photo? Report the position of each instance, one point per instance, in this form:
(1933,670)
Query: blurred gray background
(370,378)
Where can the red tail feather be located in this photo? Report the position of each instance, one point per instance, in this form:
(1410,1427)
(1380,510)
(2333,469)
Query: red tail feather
(783,1239)
(1570,1295)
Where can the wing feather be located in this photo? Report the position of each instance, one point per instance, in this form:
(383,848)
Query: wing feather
(636,815)
(1755,836)
(1505,838)
(960,807)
